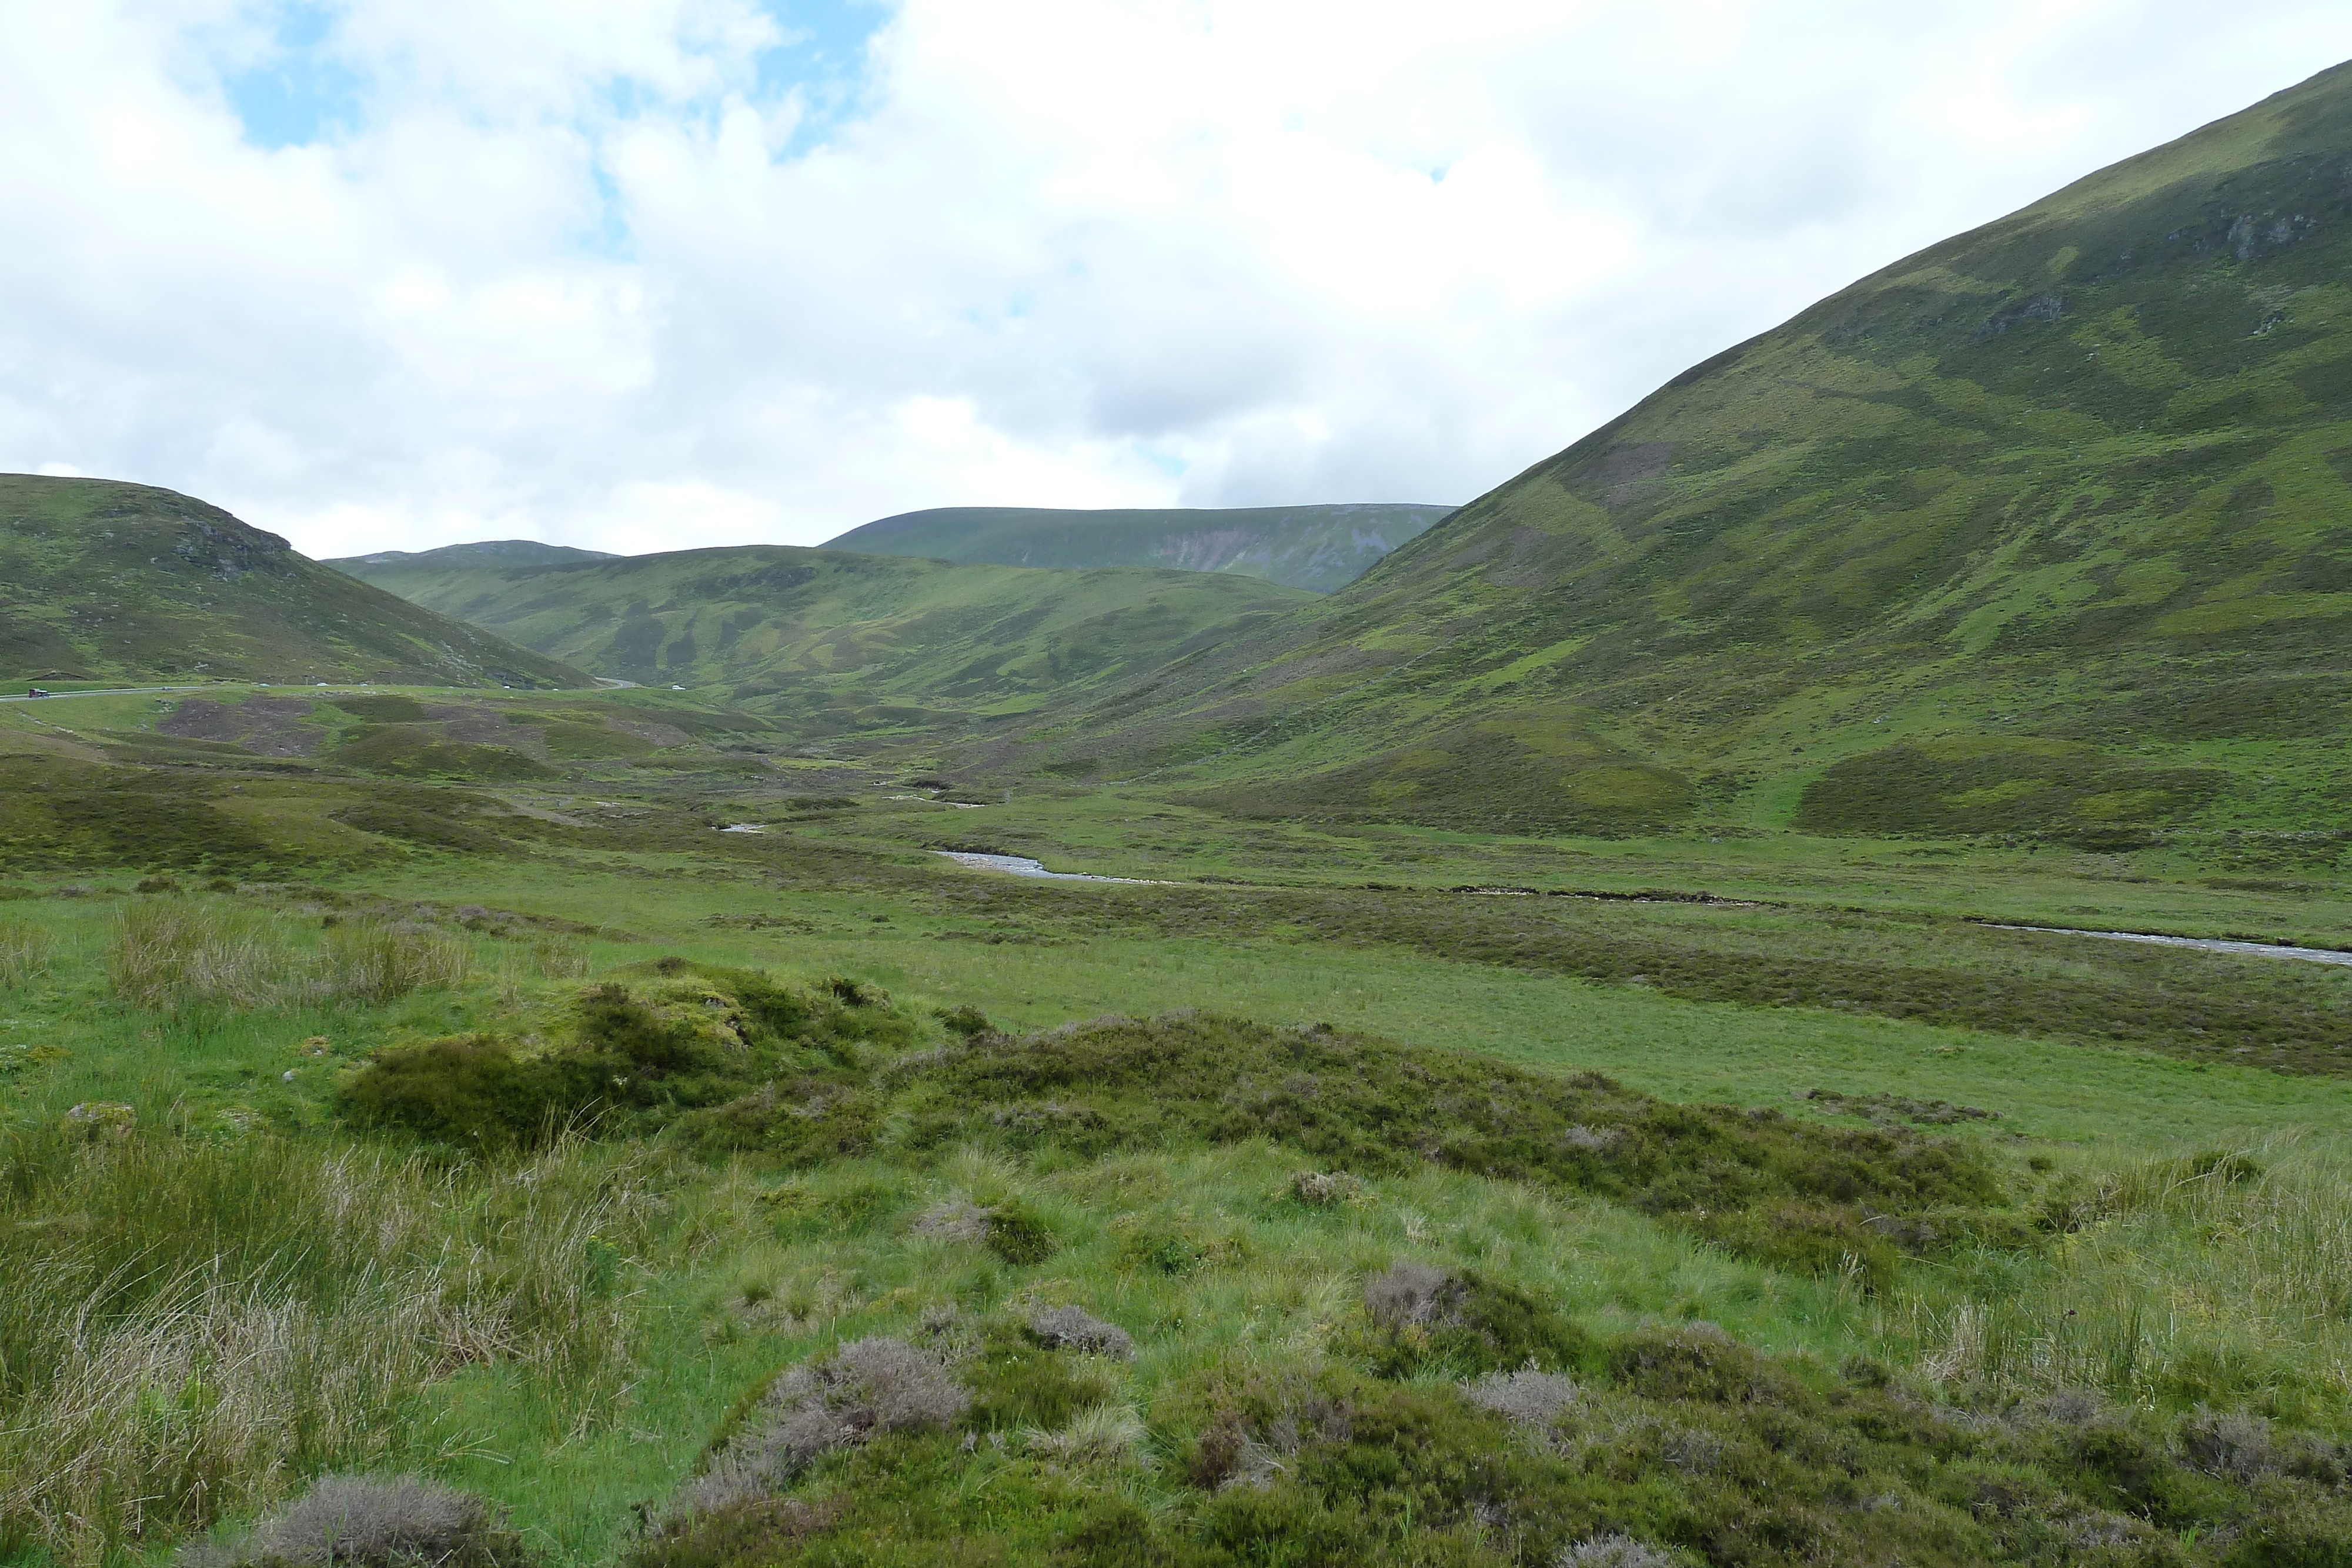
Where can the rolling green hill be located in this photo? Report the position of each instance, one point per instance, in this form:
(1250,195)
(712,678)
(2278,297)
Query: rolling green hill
(2047,528)
(1321,547)
(838,641)
(102,581)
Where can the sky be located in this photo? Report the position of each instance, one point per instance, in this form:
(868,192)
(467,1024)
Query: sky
(640,275)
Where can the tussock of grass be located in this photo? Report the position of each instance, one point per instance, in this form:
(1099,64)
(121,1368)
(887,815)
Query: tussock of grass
(2214,1277)
(171,951)
(24,954)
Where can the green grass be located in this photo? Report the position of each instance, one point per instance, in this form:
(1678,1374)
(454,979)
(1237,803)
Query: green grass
(1142,1188)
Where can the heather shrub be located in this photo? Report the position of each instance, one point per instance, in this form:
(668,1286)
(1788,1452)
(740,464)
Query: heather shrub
(1525,1397)
(1340,1472)
(377,1522)
(1807,1238)
(1075,1328)
(1695,1361)
(474,1091)
(1616,1552)
(1425,1319)
(966,1021)
(957,1219)
(863,1390)
(2237,1444)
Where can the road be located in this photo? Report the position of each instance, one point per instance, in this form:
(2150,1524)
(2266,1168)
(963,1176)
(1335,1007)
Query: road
(116,692)
(142,691)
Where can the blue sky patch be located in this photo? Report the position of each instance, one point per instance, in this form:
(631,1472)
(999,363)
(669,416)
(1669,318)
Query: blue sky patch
(302,92)
(823,57)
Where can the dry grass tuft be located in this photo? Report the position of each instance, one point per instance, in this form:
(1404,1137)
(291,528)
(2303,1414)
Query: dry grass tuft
(1322,1190)
(171,951)
(26,952)
(1101,1437)
(2248,1251)
(216,1319)
(168,950)
(371,962)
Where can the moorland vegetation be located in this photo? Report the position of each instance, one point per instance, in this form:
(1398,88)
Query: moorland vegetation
(1598,1059)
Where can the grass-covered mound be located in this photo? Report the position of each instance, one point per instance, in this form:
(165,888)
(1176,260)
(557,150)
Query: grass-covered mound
(1766,1184)
(685,1037)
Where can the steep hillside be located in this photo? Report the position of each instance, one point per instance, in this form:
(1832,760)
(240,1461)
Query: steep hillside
(1321,547)
(102,580)
(2046,528)
(840,641)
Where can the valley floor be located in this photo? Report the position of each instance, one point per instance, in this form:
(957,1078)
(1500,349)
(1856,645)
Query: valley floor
(2006,1246)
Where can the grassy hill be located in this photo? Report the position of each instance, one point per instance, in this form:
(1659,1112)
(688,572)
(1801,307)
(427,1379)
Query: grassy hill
(838,641)
(2047,528)
(1321,547)
(102,580)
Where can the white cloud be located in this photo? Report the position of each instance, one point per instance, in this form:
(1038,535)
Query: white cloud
(581,270)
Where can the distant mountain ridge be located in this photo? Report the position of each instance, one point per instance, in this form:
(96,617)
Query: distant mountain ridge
(101,579)
(839,641)
(1321,547)
(498,552)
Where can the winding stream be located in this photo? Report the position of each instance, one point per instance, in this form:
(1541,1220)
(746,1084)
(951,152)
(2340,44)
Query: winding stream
(2208,944)
(1022,865)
